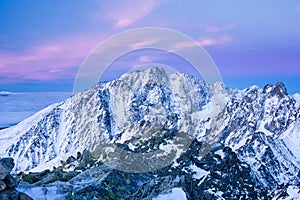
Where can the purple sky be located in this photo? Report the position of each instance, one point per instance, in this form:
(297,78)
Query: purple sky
(43,43)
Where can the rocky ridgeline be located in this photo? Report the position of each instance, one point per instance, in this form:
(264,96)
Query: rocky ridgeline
(217,174)
(63,173)
(214,176)
(7,183)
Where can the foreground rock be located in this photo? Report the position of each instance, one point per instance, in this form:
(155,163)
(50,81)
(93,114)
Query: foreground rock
(211,177)
(6,165)
(7,183)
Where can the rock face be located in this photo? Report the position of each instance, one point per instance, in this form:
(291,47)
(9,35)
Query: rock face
(8,183)
(256,129)
(2,185)
(6,165)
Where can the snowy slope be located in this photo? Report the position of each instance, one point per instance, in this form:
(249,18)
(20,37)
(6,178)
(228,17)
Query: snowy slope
(174,194)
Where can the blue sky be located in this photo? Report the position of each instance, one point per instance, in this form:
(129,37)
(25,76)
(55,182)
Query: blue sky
(43,43)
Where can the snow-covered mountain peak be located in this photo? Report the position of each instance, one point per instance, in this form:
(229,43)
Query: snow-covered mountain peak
(276,90)
(261,125)
(123,108)
(140,77)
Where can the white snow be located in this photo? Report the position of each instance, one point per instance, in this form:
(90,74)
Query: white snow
(42,193)
(293,192)
(241,143)
(131,146)
(220,153)
(127,135)
(297,98)
(199,172)
(10,135)
(291,138)
(174,194)
(219,195)
(269,105)
(54,162)
(261,128)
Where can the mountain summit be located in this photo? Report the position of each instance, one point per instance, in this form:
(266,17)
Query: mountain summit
(221,140)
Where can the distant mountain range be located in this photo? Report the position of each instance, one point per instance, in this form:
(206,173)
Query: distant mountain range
(224,143)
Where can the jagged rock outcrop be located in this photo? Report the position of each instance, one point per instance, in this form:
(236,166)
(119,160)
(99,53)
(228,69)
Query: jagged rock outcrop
(7,183)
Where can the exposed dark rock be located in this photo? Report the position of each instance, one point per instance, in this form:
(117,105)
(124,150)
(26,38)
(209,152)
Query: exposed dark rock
(224,174)
(9,194)
(10,182)
(32,177)
(41,178)
(86,158)
(23,196)
(279,90)
(70,160)
(6,165)
(12,194)
(2,186)
(78,156)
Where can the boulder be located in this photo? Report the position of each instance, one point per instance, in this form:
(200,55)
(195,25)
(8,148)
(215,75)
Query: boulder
(10,182)
(9,194)
(6,165)
(23,196)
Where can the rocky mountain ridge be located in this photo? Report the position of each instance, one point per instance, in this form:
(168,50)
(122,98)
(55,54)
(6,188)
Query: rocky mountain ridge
(256,130)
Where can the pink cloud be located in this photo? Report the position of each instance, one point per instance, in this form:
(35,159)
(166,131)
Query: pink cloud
(215,41)
(134,62)
(143,43)
(184,45)
(125,13)
(49,61)
(208,41)
(216,28)
(211,28)
(146,59)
